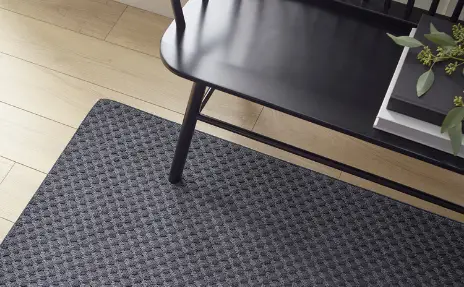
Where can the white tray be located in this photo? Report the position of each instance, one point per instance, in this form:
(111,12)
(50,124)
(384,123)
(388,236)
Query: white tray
(408,127)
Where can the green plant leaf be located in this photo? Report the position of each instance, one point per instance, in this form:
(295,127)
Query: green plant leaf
(433,29)
(424,83)
(406,41)
(441,39)
(455,134)
(447,49)
(453,117)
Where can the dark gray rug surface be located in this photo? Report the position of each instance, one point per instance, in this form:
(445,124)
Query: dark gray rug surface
(107,215)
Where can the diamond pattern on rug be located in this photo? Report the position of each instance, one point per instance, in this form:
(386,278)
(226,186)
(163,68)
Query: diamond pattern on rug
(106,215)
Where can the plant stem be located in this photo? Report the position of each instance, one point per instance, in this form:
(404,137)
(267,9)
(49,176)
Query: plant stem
(439,59)
(455,58)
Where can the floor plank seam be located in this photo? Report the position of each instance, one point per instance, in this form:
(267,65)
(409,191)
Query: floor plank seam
(119,92)
(30,112)
(100,39)
(257,119)
(339,172)
(16,162)
(1,217)
(40,20)
(115,23)
(3,179)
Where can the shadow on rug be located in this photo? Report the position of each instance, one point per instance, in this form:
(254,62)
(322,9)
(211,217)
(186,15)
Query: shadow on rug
(107,215)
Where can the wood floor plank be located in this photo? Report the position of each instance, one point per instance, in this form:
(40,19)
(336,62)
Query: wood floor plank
(232,109)
(365,156)
(105,64)
(411,200)
(54,95)
(30,139)
(93,60)
(161,7)
(68,100)
(139,30)
(17,190)
(90,17)
(5,227)
(5,167)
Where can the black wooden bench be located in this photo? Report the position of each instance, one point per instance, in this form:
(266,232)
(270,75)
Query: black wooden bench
(327,62)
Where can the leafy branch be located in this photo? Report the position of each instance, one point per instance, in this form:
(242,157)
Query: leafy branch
(450,49)
(453,124)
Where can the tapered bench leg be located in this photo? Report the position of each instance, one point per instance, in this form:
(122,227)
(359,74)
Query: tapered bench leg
(186,132)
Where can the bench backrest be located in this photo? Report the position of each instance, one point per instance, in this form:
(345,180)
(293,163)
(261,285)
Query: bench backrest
(404,11)
(377,10)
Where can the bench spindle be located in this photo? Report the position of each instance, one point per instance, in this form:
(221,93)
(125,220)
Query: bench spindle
(386,5)
(178,15)
(433,7)
(409,7)
(457,11)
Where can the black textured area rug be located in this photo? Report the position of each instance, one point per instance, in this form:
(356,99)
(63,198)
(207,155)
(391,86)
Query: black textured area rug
(107,215)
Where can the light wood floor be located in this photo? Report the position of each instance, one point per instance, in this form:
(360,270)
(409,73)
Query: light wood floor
(58,57)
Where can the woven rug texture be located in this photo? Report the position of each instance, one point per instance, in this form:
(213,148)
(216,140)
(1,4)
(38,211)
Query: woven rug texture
(106,215)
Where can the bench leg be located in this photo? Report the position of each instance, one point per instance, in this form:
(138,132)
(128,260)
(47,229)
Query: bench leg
(186,132)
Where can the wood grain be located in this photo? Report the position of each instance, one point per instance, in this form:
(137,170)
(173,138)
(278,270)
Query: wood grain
(125,71)
(90,17)
(139,30)
(68,100)
(5,227)
(54,95)
(232,109)
(92,60)
(30,139)
(365,156)
(17,190)
(414,201)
